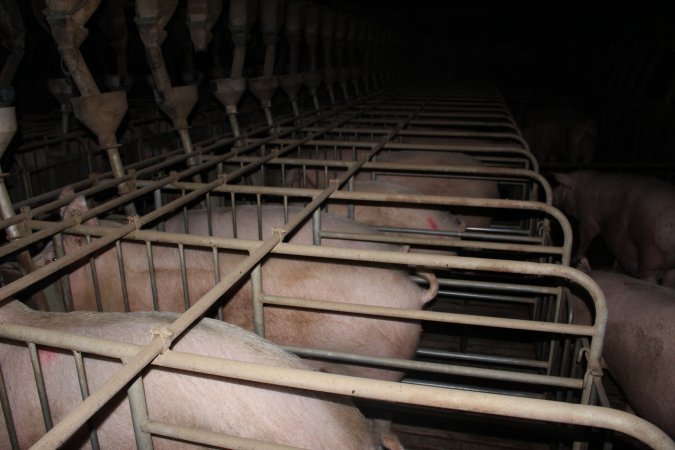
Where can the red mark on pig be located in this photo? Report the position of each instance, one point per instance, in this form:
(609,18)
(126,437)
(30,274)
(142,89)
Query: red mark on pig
(47,356)
(432,223)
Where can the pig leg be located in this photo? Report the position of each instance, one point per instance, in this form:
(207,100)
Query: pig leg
(586,236)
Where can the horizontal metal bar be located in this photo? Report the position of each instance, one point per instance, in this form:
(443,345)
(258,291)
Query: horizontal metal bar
(210,438)
(433,316)
(436,353)
(545,410)
(446,369)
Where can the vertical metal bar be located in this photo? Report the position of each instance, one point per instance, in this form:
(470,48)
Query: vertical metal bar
(7,412)
(40,383)
(123,278)
(285,209)
(350,207)
(158,204)
(153,280)
(316,227)
(84,391)
(183,276)
(233,206)
(257,299)
(94,279)
(209,214)
(139,414)
(216,277)
(59,251)
(259,210)
(186,219)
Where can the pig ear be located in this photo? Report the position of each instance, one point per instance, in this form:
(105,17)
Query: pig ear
(76,207)
(566,179)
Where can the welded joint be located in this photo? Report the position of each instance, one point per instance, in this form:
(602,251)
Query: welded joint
(280,231)
(165,335)
(590,375)
(135,220)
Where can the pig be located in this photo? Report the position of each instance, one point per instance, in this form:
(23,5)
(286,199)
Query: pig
(635,216)
(639,340)
(281,415)
(282,276)
(455,187)
(571,138)
(432,185)
(415,217)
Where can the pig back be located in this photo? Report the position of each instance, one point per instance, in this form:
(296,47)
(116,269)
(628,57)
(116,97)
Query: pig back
(328,281)
(416,217)
(279,415)
(639,344)
(439,185)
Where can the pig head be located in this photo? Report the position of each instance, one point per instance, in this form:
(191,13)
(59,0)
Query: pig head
(634,215)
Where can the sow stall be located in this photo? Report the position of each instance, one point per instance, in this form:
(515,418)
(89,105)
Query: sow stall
(516,299)
(497,346)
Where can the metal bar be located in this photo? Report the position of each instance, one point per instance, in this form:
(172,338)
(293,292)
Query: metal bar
(258,301)
(209,438)
(40,384)
(153,280)
(436,353)
(7,413)
(446,369)
(183,276)
(139,414)
(435,316)
(503,405)
(84,391)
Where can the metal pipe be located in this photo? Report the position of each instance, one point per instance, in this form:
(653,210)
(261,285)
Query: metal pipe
(84,391)
(446,399)
(139,414)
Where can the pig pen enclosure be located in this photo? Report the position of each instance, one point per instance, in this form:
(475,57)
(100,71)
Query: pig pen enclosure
(396,235)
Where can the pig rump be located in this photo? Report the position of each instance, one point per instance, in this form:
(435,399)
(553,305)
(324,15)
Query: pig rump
(242,409)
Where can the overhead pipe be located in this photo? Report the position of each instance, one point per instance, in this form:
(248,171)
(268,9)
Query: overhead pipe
(229,91)
(313,76)
(101,113)
(114,26)
(327,33)
(272,15)
(62,90)
(13,232)
(292,82)
(202,16)
(181,31)
(176,102)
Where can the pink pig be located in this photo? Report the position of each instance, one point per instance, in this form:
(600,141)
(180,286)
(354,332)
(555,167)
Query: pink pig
(245,409)
(639,343)
(282,276)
